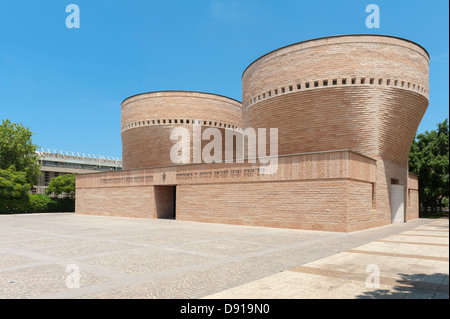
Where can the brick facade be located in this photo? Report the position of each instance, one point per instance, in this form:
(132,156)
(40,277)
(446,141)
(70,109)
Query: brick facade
(364,95)
(149,118)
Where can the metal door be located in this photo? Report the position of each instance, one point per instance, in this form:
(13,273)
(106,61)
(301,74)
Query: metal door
(397,204)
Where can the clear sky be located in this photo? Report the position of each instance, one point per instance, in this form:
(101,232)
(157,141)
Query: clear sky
(67,84)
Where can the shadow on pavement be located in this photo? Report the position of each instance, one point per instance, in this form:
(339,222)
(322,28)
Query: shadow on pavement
(415,286)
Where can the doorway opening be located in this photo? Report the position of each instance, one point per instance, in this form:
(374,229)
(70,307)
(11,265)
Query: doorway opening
(165,200)
(397,204)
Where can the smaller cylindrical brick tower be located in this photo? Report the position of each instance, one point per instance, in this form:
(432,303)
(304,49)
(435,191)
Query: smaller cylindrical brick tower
(149,118)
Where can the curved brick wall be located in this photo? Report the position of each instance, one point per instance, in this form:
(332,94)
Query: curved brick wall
(148,119)
(366,93)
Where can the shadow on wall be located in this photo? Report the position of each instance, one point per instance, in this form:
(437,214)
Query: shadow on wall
(415,286)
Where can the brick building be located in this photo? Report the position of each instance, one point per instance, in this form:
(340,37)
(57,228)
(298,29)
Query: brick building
(346,108)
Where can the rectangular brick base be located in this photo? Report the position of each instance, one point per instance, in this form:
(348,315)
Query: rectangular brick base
(335,191)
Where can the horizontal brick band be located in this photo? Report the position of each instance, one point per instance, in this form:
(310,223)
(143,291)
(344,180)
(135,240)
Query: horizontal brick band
(179,121)
(345,81)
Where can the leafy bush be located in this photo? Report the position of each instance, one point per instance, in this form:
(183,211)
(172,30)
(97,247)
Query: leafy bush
(12,206)
(38,203)
(15,196)
(429,159)
(62,184)
(14,191)
(61,205)
(18,152)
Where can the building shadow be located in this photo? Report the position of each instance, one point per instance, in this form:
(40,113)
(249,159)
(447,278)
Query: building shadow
(415,286)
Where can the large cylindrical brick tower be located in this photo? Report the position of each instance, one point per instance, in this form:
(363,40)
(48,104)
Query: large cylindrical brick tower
(148,119)
(366,93)
(361,92)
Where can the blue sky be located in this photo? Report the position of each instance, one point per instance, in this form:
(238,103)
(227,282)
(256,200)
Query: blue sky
(67,84)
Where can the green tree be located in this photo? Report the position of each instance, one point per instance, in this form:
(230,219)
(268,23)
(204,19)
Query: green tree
(62,184)
(429,159)
(14,191)
(17,152)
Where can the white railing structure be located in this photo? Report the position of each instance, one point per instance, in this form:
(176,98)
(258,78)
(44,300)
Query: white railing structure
(52,155)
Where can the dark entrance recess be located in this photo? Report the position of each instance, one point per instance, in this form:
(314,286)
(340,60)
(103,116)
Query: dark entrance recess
(165,199)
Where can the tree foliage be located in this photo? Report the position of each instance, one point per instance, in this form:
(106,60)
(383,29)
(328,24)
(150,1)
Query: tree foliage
(62,184)
(14,191)
(17,152)
(429,159)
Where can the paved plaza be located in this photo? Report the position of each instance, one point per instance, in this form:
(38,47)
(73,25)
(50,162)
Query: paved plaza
(41,256)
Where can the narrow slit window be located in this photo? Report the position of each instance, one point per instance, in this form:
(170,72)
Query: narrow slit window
(354,81)
(299,86)
(290,88)
(282,90)
(380,81)
(316,84)
(363,80)
(344,81)
(335,82)
(325,83)
(307,85)
(372,80)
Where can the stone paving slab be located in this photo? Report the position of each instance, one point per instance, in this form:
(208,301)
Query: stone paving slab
(410,270)
(121,257)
